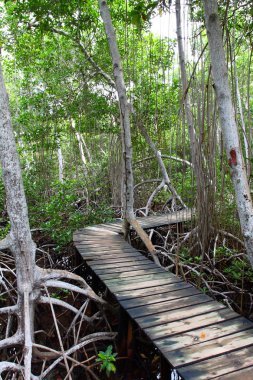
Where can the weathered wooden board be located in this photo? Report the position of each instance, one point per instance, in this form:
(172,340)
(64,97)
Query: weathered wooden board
(209,349)
(191,323)
(168,306)
(203,334)
(125,270)
(220,366)
(161,317)
(143,284)
(154,290)
(243,374)
(149,300)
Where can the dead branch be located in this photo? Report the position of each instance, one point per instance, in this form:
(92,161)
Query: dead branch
(13,340)
(9,310)
(56,274)
(57,302)
(73,288)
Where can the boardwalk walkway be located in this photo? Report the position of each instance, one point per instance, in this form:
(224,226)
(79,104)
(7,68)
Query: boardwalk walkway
(201,338)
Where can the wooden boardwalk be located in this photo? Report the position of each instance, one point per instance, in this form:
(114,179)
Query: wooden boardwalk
(201,338)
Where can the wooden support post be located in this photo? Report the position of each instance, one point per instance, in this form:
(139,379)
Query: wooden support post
(125,335)
(165,369)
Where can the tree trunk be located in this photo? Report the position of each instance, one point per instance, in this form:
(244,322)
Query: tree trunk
(60,161)
(204,185)
(128,188)
(228,124)
(81,145)
(19,240)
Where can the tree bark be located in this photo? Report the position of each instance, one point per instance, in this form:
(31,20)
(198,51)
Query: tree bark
(20,239)
(127,187)
(228,124)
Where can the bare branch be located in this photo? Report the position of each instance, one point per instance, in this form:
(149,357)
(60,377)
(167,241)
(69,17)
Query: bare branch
(13,340)
(73,288)
(56,274)
(9,310)
(57,302)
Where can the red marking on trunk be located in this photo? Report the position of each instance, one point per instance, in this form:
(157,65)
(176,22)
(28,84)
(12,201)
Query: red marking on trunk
(233,159)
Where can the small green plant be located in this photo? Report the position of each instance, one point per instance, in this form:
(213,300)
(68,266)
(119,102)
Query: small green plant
(107,359)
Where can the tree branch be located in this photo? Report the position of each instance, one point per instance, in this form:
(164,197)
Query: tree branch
(73,288)
(13,340)
(57,302)
(9,310)
(56,274)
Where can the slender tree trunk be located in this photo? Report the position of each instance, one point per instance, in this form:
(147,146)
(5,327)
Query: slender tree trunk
(60,162)
(239,102)
(81,145)
(19,240)
(128,187)
(204,208)
(228,124)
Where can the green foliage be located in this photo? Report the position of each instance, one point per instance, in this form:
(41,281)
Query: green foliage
(67,209)
(107,359)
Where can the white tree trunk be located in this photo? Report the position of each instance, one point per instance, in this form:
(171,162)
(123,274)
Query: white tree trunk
(228,124)
(81,145)
(19,240)
(128,188)
(60,161)
(245,140)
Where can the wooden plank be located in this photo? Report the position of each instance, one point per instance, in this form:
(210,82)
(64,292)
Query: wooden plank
(203,334)
(122,275)
(125,264)
(111,254)
(187,324)
(103,251)
(117,259)
(180,313)
(168,306)
(211,348)
(219,366)
(127,270)
(148,300)
(143,284)
(154,290)
(139,278)
(243,374)
(105,246)
(116,262)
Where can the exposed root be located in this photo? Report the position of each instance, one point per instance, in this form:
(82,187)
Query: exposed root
(12,341)
(73,288)
(8,366)
(57,302)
